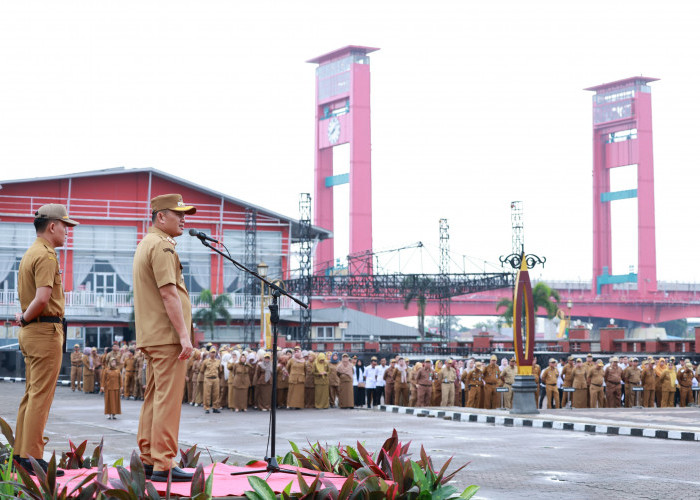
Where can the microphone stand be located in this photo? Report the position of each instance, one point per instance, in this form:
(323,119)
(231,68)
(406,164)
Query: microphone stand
(272,465)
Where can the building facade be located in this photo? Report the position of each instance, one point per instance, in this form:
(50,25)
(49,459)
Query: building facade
(113,208)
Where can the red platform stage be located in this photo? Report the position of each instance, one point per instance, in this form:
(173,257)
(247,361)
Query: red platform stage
(224,484)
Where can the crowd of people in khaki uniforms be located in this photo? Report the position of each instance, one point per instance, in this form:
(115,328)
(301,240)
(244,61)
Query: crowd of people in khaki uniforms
(119,372)
(622,382)
(241,379)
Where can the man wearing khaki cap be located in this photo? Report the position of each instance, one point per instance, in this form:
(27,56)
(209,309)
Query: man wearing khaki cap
(549,378)
(163,314)
(491,374)
(41,298)
(613,378)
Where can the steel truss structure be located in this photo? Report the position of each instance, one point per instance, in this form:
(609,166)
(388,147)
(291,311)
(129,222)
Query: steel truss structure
(305,289)
(398,286)
(250,288)
(444,305)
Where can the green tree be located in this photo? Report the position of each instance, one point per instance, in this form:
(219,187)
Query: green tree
(415,288)
(215,308)
(542,296)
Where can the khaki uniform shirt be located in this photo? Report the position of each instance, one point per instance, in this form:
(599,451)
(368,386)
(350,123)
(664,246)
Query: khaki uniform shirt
(508,374)
(39,268)
(632,376)
(491,374)
(448,374)
(156,264)
(549,376)
(613,375)
(596,376)
(685,377)
(76,358)
(567,375)
(211,368)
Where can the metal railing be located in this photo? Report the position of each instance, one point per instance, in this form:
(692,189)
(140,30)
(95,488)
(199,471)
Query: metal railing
(94,303)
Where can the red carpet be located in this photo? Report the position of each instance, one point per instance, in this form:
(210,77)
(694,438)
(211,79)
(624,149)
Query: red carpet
(224,483)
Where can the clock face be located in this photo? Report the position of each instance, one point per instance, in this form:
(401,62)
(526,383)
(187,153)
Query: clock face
(333,130)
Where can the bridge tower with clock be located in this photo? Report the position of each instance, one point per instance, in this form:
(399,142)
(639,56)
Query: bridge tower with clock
(622,138)
(343,117)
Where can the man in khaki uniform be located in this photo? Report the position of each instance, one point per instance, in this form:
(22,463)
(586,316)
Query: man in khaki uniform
(549,378)
(508,377)
(424,384)
(76,372)
(613,378)
(648,382)
(163,314)
(595,379)
(685,381)
(138,386)
(41,335)
(567,376)
(129,374)
(632,377)
(448,374)
(212,369)
(491,374)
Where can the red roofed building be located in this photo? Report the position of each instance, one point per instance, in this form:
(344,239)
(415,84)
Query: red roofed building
(113,208)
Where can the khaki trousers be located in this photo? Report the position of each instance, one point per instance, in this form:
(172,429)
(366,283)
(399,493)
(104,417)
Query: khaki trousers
(41,345)
(667,399)
(211,393)
(128,384)
(686,396)
(631,396)
(552,397)
(508,396)
(401,395)
(474,396)
(424,393)
(448,394)
(389,394)
(612,394)
(159,423)
(76,377)
(597,396)
(491,399)
(648,398)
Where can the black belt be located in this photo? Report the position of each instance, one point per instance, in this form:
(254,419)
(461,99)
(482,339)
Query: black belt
(46,319)
(598,385)
(212,378)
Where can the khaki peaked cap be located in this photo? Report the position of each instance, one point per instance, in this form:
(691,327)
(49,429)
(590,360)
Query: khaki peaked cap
(171,202)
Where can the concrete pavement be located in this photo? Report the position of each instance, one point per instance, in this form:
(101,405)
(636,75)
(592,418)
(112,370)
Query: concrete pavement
(506,461)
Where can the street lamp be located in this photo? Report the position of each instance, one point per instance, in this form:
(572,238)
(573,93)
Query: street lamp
(262,271)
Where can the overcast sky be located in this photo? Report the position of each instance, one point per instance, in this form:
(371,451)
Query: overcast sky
(474,104)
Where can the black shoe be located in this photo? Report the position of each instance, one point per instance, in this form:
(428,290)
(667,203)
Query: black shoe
(148,470)
(27,465)
(207,411)
(178,476)
(216,411)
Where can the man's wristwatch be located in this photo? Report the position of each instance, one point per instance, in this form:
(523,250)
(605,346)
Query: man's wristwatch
(22,321)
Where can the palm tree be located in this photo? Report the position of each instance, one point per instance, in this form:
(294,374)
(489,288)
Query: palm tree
(542,296)
(216,308)
(415,292)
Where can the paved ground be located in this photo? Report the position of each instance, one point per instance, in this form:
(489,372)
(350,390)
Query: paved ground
(507,462)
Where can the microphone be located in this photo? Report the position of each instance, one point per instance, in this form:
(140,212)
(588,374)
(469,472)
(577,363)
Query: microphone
(202,236)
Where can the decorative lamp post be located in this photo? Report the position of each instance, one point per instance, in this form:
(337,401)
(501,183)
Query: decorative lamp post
(523,331)
(262,271)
